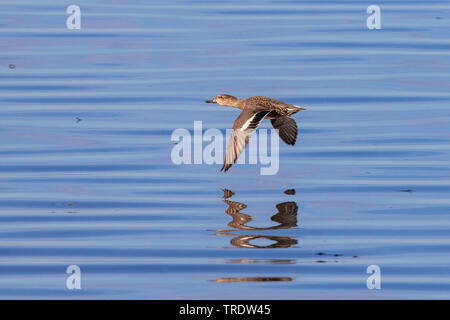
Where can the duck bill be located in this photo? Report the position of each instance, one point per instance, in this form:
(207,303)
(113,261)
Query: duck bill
(210,101)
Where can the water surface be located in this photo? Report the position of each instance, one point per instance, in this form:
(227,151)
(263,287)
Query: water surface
(86,177)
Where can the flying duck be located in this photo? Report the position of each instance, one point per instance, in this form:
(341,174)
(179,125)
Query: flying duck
(254,110)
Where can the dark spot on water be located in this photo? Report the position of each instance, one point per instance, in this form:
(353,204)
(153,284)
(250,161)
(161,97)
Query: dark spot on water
(70,204)
(320,261)
(12,66)
(406,190)
(290,191)
(438,18)
(355,257)
(320,253)
(78,119)
(337,255)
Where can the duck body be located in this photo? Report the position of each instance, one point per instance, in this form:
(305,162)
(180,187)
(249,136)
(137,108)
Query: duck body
(277,108)
(254,110)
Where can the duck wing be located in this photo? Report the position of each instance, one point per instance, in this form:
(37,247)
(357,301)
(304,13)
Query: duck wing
(287,129)
(247,122)
(287,214)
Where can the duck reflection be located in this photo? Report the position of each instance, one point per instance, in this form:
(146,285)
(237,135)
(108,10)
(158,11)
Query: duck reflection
(286,217)
(251,279)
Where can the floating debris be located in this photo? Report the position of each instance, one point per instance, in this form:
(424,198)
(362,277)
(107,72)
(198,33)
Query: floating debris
(78,119)
(405,190)
(12,66)
(290,191)
(320,253)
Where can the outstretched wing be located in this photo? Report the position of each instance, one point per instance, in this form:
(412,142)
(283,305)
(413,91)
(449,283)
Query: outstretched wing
(243,127)
(287,129)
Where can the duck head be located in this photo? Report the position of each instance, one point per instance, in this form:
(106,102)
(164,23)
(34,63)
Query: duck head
(224,100)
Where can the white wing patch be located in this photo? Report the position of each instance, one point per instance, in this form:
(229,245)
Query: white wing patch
(240,137)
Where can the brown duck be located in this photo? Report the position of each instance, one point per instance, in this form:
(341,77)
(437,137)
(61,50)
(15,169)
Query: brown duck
(254,111)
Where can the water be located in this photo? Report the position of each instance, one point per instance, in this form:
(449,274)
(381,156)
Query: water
(101,192)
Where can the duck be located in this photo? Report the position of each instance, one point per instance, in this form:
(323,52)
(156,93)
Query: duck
(254,110)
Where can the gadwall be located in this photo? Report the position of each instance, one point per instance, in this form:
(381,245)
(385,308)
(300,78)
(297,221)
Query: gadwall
(254,110)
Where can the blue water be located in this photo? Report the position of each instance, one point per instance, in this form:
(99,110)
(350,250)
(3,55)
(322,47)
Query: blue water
(371,168)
